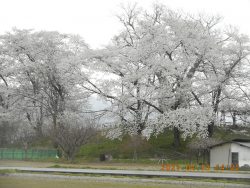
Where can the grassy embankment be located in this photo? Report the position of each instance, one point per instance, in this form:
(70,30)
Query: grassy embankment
(147,151)
(160,147)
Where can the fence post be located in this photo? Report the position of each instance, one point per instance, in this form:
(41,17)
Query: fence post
(178,168)
(222,167)
(162,166)
(208,167)
(167,167)
(237,167)
(232,167)
(172,167)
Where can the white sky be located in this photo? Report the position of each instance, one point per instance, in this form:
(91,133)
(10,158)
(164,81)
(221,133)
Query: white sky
(95,20)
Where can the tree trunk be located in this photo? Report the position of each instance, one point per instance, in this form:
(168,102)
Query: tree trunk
(234,119)
(26,147)
(215,103)
(223,118)
(210,129)
(70,157)
(135,155)
(38,129)
(54,119)
(176,137)
(39,123)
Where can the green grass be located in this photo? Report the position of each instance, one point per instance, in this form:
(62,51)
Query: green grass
(7,171)
(18,182)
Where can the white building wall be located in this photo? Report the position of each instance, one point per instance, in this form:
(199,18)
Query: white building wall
(244,153)
(220,155)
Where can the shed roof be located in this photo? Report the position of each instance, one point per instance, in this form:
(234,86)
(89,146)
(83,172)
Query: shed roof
(238,141)
(241,140)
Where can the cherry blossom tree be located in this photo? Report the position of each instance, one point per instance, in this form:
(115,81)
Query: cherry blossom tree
(41,73)
(46,70)
(170,63)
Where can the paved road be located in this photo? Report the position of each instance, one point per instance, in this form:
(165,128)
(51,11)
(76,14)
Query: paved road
(212,175)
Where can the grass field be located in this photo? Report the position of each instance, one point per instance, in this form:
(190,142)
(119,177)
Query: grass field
(19,182)
(94,165)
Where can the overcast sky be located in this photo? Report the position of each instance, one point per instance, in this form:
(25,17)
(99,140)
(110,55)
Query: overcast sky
(95,20)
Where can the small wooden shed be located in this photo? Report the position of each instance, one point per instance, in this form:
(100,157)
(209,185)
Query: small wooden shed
(236,151)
